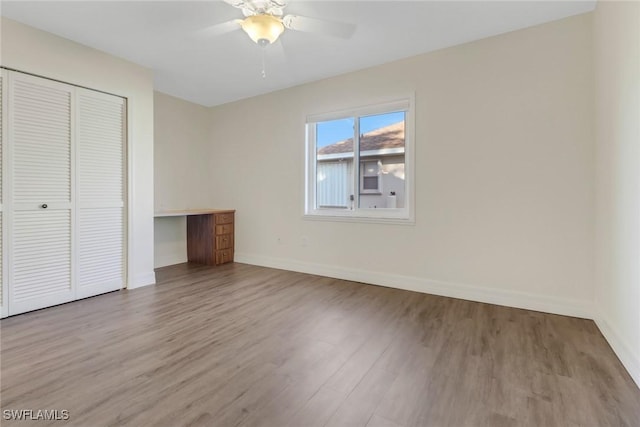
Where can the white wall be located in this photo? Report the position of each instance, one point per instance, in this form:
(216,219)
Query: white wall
(617,96)
(392,175)
(28,49)
(181,165)
(170,245)
(504,169)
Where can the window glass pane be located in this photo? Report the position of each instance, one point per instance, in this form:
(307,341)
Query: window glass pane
(382,161)
(334,164)
(371,169)
(370,183)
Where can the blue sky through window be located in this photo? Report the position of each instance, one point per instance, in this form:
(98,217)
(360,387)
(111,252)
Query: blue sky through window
(332,131)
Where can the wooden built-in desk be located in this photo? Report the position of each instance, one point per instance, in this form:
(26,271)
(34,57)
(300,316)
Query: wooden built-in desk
(210,234)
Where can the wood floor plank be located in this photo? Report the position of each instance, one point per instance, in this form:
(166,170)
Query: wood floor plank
(360,405)
(317,411)
(378,421)
(239,345)
(408,394)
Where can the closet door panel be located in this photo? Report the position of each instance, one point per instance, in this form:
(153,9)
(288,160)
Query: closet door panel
(101,257)
(41,130)
(40,134)
(101,182)
(41,260)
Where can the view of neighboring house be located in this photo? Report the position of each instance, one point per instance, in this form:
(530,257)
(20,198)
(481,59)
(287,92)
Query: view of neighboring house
(381,175)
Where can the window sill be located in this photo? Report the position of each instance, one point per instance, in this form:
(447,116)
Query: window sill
(359,219)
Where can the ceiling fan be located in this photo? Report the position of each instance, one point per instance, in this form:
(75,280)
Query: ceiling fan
(265,21)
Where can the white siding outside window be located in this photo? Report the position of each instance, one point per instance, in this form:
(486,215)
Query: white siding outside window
(335,186)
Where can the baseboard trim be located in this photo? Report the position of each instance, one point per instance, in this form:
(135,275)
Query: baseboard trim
(620,348)
(528,301)
(144,279)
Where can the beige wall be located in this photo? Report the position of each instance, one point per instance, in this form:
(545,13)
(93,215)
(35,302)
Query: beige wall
(504,171)
(28,49)
(617,95)
(181,163)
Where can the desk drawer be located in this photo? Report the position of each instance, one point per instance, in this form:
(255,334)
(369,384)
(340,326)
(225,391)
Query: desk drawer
(226,218)
(224,242)
(224,256)
(224,229)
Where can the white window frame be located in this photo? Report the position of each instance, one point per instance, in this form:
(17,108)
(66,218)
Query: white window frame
(404,215)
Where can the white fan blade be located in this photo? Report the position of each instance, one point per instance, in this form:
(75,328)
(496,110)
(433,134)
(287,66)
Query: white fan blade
(220,29)
(312,25)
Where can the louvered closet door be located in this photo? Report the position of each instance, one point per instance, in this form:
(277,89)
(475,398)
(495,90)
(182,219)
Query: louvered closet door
(100,139)
(3,121)
(40,136)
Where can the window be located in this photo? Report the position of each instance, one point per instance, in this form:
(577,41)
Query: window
(370,175)
(359,163)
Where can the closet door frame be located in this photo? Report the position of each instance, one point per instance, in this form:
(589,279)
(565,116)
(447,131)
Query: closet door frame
(4,309)
(7,170)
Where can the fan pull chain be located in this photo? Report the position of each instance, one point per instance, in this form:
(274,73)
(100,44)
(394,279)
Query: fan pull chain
(263,43)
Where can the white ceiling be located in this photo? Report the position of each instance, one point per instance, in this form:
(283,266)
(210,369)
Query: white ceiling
(164,36)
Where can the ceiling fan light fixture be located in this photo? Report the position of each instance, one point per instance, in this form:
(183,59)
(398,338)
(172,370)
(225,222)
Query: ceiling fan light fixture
(263,28)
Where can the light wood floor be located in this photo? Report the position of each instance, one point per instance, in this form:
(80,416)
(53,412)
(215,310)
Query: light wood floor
(250,346)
